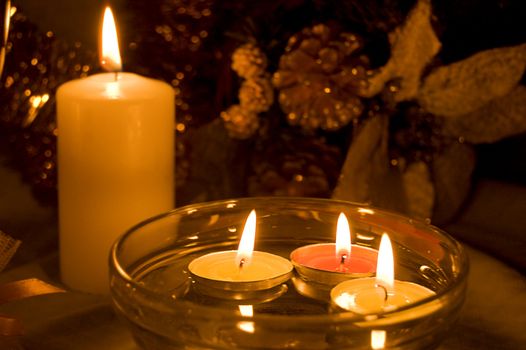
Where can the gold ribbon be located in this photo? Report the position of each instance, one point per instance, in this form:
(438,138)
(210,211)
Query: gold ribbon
(21,290)
(6,19)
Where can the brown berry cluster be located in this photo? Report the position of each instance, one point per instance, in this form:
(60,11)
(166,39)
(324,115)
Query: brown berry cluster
(295,166)
(256,94)
(36,64)
(415,135)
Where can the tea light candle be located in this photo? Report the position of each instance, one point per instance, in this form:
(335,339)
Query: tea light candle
(332,263)
(115,162)
(243,269)
(382,293)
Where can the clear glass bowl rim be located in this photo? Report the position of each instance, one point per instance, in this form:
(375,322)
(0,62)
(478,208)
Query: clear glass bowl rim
(343,316)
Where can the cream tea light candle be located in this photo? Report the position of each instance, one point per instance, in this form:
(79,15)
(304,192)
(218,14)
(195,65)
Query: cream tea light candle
(243,269)
(332,263)
(115,162)
(383,293)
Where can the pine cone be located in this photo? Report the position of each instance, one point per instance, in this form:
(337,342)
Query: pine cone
(256,94)
(294,166)
(320,79)
(240,122)
(248,61)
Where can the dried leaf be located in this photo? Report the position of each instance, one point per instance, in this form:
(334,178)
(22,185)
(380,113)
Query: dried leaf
(354,179)
(500,118)
(8,248)
(366,175)
(466,86)
(413,46)
(451,173)
(218,162)
(419,190)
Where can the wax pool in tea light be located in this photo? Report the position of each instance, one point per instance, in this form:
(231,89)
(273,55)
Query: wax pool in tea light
(383,293)
(332,263)
(241,270)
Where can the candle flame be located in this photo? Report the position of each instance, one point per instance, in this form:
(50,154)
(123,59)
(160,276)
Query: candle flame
(246,244)
(343,237)
(385,265)
(110,58)
(377,339)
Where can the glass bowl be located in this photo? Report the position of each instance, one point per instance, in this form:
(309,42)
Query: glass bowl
(166,309)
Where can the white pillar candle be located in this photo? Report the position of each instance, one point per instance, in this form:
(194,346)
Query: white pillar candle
(115,167)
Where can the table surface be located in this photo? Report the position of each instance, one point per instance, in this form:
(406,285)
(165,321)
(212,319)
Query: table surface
(493,317)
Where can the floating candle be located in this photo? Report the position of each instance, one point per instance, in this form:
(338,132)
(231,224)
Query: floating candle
(332,263)
(115,162)
(243,269)
(382,293)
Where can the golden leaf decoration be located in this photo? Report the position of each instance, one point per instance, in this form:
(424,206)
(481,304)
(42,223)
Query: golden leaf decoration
(413,46)
(465,86)
(500,118)
(366,176)
(419,190)
(8,248)
(451,172)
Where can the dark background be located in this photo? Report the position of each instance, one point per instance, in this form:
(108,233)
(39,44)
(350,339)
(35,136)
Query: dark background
(467,26)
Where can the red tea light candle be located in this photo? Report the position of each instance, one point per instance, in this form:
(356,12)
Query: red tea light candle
(241,270)
(332,263)
(374,295)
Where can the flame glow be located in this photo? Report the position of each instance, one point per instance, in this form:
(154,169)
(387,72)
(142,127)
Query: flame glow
(113,89)
(377,339)
(365,211)
(385,266)
(110,57)
(248,237)
(343,237)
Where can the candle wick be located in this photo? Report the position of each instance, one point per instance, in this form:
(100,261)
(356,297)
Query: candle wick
(116,76)
(241,263)
(384,289)
(342,268)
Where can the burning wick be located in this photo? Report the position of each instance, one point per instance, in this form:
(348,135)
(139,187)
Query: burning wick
(384,289)
(116,76)
(241,263)
(342,267)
